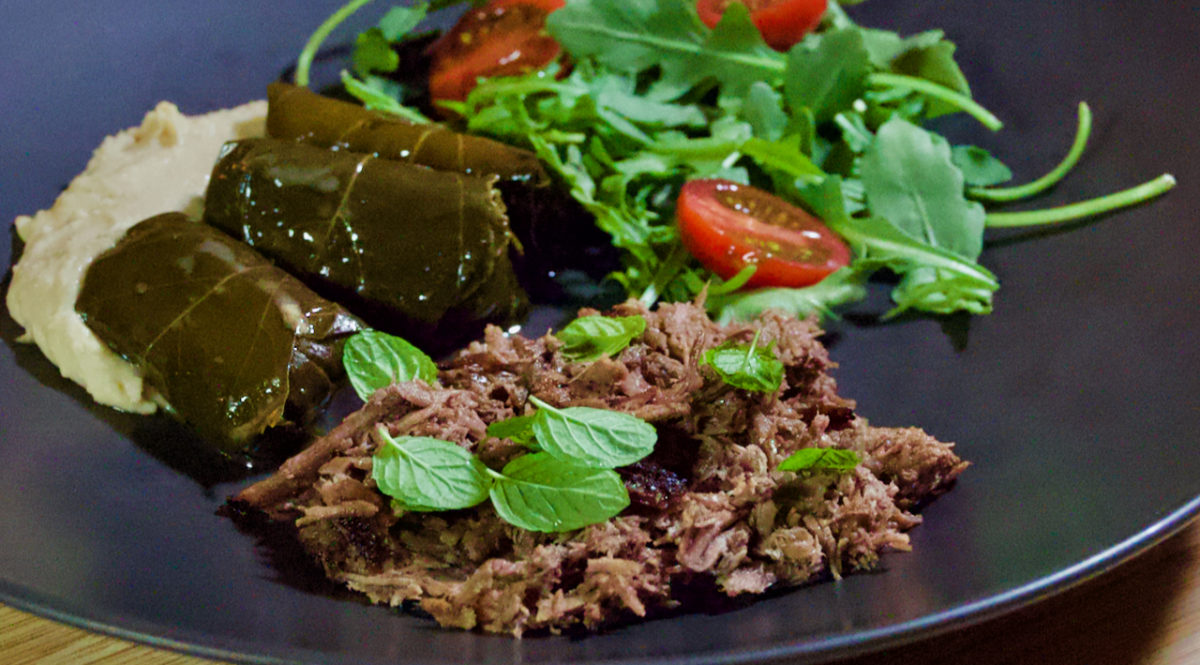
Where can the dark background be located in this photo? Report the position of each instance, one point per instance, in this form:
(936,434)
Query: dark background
(1078,400)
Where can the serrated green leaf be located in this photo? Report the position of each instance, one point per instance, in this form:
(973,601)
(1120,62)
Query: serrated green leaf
(518,429)
(424,473)
(541,493)
(374,359)
(746,366)
(596,438)
(820,459)
(590,338)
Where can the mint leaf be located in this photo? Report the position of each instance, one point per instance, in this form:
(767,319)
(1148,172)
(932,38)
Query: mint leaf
(820,459)
(749,367)
(541,493)
(374,359)
(590,338)
(424,473)
(911,181)
(596,438)
(518,429)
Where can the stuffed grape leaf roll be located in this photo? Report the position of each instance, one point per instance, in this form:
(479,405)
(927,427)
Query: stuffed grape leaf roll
(299,114)
(230,342)
(558,234)
(410,249)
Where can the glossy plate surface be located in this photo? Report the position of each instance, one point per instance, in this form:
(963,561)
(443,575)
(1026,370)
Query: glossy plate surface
(1078,400)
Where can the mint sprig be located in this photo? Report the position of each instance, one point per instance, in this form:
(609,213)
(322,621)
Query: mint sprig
(749,367)
(374,359)
(590,338)
(566,484)
(592,437)
(541,493)
(428,474)
(820,459)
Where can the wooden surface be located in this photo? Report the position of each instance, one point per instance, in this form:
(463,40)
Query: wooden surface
(1145,612)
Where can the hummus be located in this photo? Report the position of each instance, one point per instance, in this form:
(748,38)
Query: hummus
(161,166)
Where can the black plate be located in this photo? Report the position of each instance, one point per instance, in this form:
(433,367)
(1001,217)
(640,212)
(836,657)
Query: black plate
(1078,400)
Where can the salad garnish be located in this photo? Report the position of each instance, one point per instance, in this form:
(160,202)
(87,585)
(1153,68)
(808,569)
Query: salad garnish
(649,97)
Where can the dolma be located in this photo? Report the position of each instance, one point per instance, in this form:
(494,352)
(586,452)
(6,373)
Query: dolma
(555,230)
(299,114)
(232,344)
(410,249)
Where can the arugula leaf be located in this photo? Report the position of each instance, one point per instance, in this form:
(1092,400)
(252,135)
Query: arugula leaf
(763,109)
(424,473)
(374,359)
(934,62)
(631,36)
(911,181)
(596,438)
(590,338)
(541,493)
(813,459)
(962,284)
(979,167)
(826,72)
(842,287)
(401,20)
(518,429)
(884,46)
(749,367)
(373,53)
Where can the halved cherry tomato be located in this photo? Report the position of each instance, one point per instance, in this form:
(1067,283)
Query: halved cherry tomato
(502,38)
(728,226)
(781,22)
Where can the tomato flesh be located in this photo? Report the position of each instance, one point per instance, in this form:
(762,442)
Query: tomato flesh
(502,38)
(782,23)
(728,226)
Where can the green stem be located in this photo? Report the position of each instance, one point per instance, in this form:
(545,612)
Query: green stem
(1006,194)
(304,62)
(666,272)
(939,92)
(1090,208)
(733,283)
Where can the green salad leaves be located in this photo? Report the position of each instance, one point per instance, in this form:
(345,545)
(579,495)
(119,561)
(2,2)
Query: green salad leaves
(837,125)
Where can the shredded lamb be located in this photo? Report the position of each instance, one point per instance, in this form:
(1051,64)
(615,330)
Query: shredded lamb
(710,517)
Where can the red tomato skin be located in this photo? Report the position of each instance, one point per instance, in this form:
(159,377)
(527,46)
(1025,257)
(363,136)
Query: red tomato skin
(799,252)
(502,38)
(782,23)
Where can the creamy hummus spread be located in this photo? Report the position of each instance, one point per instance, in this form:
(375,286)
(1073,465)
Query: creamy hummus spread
(161,166)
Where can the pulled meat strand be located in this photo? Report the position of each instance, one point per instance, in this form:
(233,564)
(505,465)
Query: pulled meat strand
(710,517)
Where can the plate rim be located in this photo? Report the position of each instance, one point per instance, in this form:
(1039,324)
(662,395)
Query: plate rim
(856,643)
